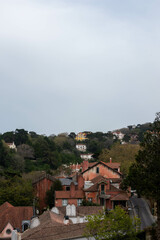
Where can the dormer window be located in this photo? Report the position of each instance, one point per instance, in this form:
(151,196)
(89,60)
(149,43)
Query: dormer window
(25,225)
(97,170)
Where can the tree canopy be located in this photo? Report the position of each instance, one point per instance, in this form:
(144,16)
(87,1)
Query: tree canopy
(144,174)
(116,224)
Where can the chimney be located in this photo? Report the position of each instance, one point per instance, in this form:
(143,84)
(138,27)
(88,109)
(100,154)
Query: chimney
(85,165)
(80,182)
(110,160)
(72,189)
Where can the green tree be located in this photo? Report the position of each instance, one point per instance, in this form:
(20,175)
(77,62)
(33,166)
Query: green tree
(116,224)
(16,191)
(21,136)
(50,194)
(144,174)
(124,154)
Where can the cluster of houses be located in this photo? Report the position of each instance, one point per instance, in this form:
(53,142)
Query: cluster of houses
(97,183)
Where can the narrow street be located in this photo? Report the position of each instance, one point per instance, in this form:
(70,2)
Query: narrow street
(140,208)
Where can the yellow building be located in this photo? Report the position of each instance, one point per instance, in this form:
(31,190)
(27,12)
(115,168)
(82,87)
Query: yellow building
(81,136)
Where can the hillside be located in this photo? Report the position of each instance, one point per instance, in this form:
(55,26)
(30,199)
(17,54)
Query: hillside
(36,152)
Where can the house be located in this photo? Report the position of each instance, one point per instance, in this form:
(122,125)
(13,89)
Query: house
(74,195)
(86,164)
(41,185)
(75,167)
(14,218)
(106,192)
(118,134)
(12,146)
(81,147)
(87,156)
(107,170)
(55,225)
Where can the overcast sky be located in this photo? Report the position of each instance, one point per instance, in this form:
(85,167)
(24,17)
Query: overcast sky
(76,65)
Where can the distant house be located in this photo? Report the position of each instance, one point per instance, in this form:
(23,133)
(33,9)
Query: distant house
(75,167)
(81,136)
(12,146)
(14,218)
(118,134)
(86,156)
(41,185)
(81,147)
(107,170)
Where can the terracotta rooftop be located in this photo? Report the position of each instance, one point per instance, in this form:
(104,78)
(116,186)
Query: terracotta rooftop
(100,177)
(14,215)
(60,232)
(120,197)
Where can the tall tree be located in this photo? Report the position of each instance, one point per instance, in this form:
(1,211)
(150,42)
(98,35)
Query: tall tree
(50,194)
(144,174)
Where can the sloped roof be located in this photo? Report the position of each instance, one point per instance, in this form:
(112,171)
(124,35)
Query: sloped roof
(52,227)
(14,215)
(103,163)
(120,197)
(5,206)
(94,188)
(67,194)
(44,175)
(100,177)
(55,233)
(67,181)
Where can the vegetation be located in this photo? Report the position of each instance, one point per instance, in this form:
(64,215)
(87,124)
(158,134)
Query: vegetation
(116,224)
(57,186)
(15,190)
(144,174)
(124,154)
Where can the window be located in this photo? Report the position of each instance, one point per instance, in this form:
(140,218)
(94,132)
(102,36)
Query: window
(25,227)
(102,201)
(79,202)
(8,231)
(67,188)
(102,189)
(64,202)
(97,170)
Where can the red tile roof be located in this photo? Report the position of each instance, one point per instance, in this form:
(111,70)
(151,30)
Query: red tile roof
(14,215)
(50,232)
(52,227)
(120,197)
(100,177)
